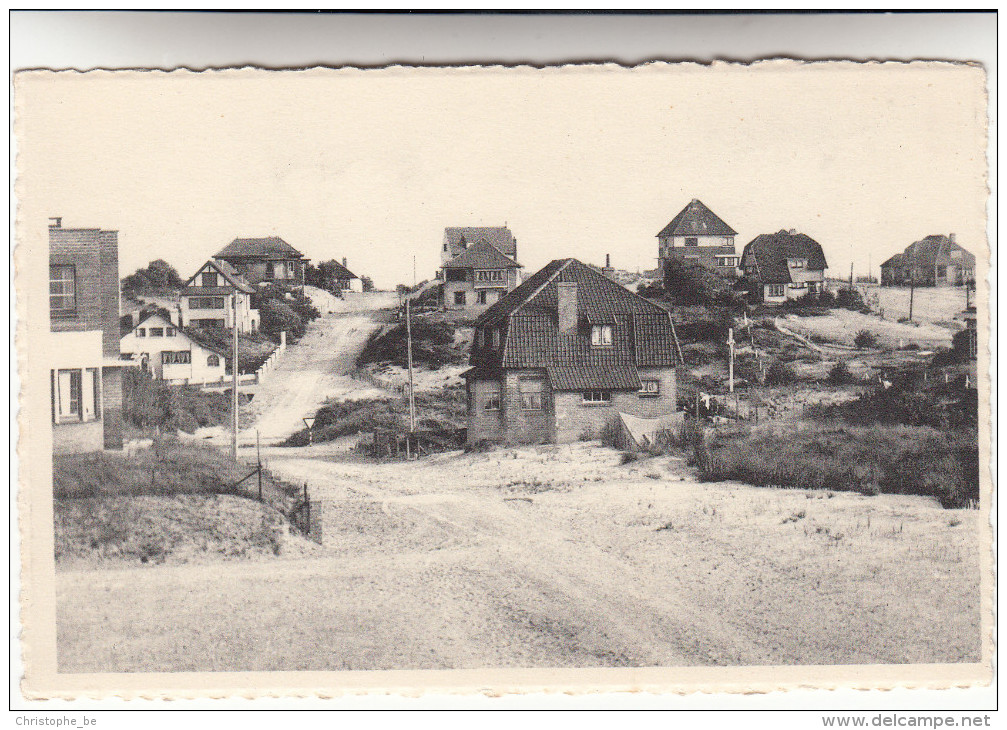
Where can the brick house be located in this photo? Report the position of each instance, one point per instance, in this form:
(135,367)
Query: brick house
(458,239)
(271,260)
(936,260)
(696,235)
(476,278)
(85,371)
(217,296)
(784,265)
(335,275)
(172,353)
(564,354)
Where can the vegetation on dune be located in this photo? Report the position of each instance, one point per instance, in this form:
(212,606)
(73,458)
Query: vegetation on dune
(865,340)
(283,310)
(433,345)
(691,284)
(440,414)
(154,404)
(893,459)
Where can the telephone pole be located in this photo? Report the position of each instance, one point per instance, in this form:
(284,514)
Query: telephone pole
(912,278)
(234,375)
(409,362)
(730,364)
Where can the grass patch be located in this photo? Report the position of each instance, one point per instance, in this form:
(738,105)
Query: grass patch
(881,458)
(433,345)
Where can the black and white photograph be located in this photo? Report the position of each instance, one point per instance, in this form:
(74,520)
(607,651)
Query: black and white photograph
(670,367)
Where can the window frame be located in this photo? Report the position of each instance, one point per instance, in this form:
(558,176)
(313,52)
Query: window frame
(156,332)
(215,357)
(141,332)
(459,298)
(596,397)
(531,400)
(495,338)
(70,311)
(203,279)
(491,399)
(169,331)
(598,335)
(691,242)
(646,392)
(776,290)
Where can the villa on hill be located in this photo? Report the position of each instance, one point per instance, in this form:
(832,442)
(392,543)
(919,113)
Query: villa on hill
(697,235)
(478,267)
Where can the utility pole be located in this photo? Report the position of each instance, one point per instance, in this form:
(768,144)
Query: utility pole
(730,366)
(409,362)
(234,375)
(912,278)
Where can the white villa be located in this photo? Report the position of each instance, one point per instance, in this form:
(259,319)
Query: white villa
(171,353)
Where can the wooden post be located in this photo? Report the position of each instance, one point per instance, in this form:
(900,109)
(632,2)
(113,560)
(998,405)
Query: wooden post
(258,462)
(409,361)
(730,345)
(234,375)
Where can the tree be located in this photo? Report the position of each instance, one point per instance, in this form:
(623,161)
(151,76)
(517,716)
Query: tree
(367,283)
(158,275)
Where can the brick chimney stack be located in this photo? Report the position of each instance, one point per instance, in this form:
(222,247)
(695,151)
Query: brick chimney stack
(56,222)
(344,262)
(566,306)
(951,237)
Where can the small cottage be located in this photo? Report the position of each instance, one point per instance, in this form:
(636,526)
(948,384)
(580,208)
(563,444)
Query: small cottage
(784,265)
(172,353)
(936,260)
(566,352)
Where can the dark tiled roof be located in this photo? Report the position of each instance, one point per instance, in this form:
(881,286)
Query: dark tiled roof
(580,377)
(201,339)
(895,260)
(338,271)
(643,333)
(500,237)
(229,273)
(696,219)
(770,252)
(482,256)
(933,250)
(261,248)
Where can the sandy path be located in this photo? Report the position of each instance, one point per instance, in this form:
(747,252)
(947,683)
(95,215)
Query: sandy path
(308,373)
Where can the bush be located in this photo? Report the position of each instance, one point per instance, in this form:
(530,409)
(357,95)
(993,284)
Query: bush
(158,276)
(840,374)
(865,340)
(847,298)
(283,310)
(148,403)
(874,459)
(780,374)
(692,284)
(433,345)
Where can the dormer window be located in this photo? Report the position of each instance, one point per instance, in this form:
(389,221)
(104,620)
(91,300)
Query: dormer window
(798,263)
(496,338)
(601,335)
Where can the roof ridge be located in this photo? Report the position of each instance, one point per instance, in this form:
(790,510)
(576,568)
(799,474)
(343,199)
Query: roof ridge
(549,279)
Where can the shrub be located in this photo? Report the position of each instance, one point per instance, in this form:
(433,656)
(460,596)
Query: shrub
(865,340)
(874,459)
(840,374)
(780,374)
(691,284)
(149,403)
(847,298)
(433,345)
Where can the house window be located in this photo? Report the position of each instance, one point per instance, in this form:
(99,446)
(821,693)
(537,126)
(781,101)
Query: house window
(208,278)
(480,338)
(797,263)
(774,290)
(291,268)
(490,275)
(183,357)
(459,297)
(213,361)
(496,338)
(62,290)
(169,331)
(692,242)
(444,247)
(531,395)
(76,395)
(650,387)
(601,335)
(481,297)
(491,400)
(157,331)
(141,331)
(206,302)
(727,261)
(597,396)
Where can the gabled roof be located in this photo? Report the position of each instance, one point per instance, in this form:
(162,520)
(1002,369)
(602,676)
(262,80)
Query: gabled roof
(931,250)
(500,237)
(338,270)
(148,314)
(643,332)
(483,255)
(696,219)
(258,248)
(231,276)
(772,250)
(895,260)
(207,343)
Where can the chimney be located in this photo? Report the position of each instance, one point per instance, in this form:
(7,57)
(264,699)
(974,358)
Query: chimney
(608,270)
(344,262)
(56,222)
(951,237)
(178,312)
(792,231)
(566,306)
(608,261)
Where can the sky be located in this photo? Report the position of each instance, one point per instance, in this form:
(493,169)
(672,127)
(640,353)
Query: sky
(578,161)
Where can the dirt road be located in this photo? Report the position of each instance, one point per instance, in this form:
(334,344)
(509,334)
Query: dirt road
(313,370)
(550,556)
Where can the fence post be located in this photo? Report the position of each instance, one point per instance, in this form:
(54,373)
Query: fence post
(258,462)
(307,511)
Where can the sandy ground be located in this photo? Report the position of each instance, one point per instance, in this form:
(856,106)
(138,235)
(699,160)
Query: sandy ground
(842,326)
(425,380)
(933,304)
(312,370)
(548,556)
